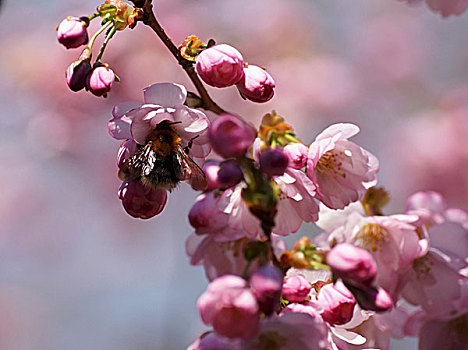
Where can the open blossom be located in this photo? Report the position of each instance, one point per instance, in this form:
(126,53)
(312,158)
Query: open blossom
(220,65)
(230,307)
(447,228)
(296,205)
(391,240)
(434,285)
(291,331)
(227,257)
(340,169)
(163,102)
(133,122)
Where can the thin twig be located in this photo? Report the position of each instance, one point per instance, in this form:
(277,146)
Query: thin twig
(150,20)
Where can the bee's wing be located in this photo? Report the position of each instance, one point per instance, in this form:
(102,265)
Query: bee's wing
(140,164)
(190,171)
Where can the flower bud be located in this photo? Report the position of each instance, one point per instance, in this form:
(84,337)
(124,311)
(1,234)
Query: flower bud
(273,162)
(230,307)
(211,169)
(337,303)
(72,33)
(141,201)
(256,84)
(297,155)
(371,298)
(266,285)
(76,75)
(230,136)
(220,65)
(213,341)
(352,264)
(296,288)
(100,80)
(230,174)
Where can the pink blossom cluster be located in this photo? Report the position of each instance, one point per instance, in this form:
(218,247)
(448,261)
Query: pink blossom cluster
(223,65)
(366,278)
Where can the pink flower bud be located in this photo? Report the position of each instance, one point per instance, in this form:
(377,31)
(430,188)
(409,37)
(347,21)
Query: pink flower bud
(352,264)
(205,216)
(213,341)
(273,162)
(230,174)
(256,84)
(141,201)
(266,284)
(100,80)
(76,75)
(297,155)
(72,33)
(371,298)
(220,65)
(230,307)
(211,169)
(337,303)
(296,288)
(230,136)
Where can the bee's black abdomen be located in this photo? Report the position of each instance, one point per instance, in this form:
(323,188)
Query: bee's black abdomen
(165,174)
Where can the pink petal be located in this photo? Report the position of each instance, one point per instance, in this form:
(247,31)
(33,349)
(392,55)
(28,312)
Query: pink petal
(165,94)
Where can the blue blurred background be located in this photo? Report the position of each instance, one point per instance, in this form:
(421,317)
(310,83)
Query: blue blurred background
(76,272)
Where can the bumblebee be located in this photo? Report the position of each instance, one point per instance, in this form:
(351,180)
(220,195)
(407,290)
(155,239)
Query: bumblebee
(162,162)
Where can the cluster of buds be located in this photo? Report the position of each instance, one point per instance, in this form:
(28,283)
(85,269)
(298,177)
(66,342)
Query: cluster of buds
(223,66)
(72,32)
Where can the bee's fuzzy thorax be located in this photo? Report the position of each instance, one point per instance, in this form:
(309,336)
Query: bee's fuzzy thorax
(165,141)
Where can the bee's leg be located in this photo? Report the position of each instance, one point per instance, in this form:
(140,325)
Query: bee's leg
(189,145)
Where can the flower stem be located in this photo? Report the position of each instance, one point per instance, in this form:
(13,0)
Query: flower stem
(103,28)
(93,16)
(108,37)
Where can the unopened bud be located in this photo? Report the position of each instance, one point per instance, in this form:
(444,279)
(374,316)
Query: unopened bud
(76,75)
(211,169)
(337,303)
(256,84)
(297,155)
(230,174)
(266,285)
(141,201)
(296,288)
(273,162)
(372,298)
(220,65)
(352,264)
(100,80)
(72,33)
(230,136)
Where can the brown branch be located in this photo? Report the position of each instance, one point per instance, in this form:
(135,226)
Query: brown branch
(150,20)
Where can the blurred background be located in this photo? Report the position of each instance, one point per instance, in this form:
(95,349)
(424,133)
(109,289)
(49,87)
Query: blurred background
(76,271)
